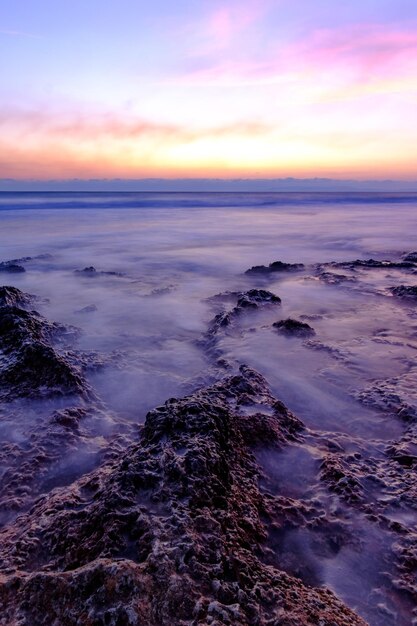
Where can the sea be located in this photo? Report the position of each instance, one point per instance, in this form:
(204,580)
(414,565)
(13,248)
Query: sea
(154,261)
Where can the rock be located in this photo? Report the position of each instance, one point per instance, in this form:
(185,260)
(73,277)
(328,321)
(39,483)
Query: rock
(295,328)
(174,532)
(373,264)
(91,308)
(30,366)
(11,296)
(91,272)
(87,271)
(332,278)
(11,268)
(408,293)
(411,257)
(276,266)
(245,301)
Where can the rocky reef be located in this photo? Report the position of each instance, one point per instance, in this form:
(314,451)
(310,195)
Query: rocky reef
(276,266)
(408,293)
(175,531)
(30,366)
(294,328)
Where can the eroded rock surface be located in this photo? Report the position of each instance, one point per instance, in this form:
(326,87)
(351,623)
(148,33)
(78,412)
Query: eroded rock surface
(294,328)
(276,266)
(30,366)
(408,293)
(175,531)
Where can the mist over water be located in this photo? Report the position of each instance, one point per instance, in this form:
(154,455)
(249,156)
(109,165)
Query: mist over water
(159,258)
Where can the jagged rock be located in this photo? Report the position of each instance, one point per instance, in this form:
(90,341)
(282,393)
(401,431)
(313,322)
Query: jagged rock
(405,292)
(174,532)
(11,296)
(276,266)
(373,264)
(332,278)
(90,308)
(294,328)
(30,366)
(248,300)
(11,268)
(91,271)
(411,257)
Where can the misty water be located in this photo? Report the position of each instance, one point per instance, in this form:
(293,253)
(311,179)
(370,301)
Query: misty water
(159,258)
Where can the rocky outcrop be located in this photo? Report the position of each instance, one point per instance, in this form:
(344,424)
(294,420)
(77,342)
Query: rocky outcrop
(411,257)
(374,264)
(408,293)
(174,532)
(11,268)
(11,296)
(294,328)
(30,366)
(92,272)
(276,266)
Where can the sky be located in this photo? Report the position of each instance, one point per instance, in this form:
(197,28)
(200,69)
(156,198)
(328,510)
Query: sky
(203,88)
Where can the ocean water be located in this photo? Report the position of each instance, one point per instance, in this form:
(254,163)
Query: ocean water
(160,258)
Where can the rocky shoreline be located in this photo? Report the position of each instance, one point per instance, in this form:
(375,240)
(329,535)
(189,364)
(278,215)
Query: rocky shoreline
(182,522)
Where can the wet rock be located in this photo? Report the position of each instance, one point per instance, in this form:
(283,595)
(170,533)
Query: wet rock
(276,266)
(408,293)
(333,278)
(11,296)
(373,264)
(30,366)
(87,271)
(395,395)
(411,257)
(251,300)
(92,272)
(294,328)
(174,532)
(90,308)
(11,268)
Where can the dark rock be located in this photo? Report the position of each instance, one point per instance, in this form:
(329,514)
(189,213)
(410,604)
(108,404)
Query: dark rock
(276,266)
(373,264)
(405,292)
(294,328)
(256,297)
(11,268)
(332,278)
(411,257)
(174,532)
(91,308)
(30,366)
(245,301)
(11,296)
(91,271)
(87,271)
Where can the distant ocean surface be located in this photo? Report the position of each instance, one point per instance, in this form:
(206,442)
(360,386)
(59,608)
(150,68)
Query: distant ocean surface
(82,200)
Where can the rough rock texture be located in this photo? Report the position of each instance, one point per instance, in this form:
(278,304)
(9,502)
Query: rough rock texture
(373,264)
(29,364)
(406,293)
(11,268)
(333,278)
(294,328)
(225,320)
(276,266)
(174,532)
(248,300)
(11,296)
(92,272)
(411,257)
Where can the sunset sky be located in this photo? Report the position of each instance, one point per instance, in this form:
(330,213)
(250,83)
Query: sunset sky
(265,88)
